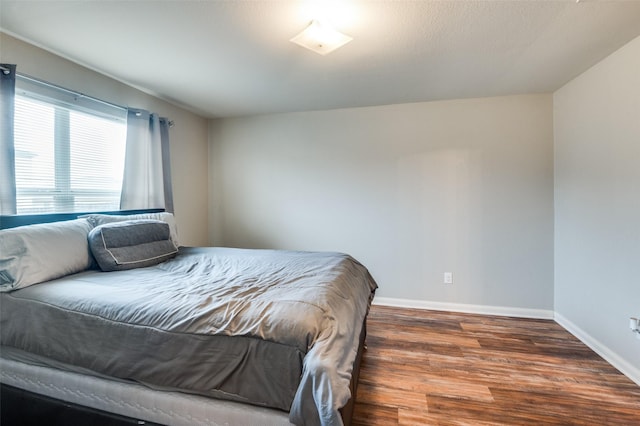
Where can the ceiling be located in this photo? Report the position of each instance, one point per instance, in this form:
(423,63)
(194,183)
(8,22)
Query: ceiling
(234,58)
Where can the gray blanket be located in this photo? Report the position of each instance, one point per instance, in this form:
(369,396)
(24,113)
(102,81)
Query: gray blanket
(295,318)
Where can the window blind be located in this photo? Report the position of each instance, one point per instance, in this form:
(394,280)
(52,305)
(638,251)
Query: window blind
(69,150)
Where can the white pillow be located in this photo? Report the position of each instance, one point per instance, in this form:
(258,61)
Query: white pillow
(35,253)
(101,219)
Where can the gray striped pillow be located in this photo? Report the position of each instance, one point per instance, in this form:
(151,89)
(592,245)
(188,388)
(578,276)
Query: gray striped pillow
(131,244)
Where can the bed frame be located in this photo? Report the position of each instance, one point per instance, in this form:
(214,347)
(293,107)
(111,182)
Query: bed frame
(12,221)
(20,407)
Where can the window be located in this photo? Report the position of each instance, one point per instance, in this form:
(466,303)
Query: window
(69,151)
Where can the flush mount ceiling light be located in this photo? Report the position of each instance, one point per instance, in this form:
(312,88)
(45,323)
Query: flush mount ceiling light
(321,38)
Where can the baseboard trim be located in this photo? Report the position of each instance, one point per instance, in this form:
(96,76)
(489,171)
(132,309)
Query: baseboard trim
(611,357)
(466,308)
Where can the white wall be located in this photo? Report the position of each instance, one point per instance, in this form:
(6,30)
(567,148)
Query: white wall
(189,136)
(597,206)
(411,190)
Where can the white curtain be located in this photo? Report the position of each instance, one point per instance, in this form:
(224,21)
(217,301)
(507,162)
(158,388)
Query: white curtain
(147,174)
(7,150)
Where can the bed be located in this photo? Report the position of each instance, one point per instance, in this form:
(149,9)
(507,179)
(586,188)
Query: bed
(195,335)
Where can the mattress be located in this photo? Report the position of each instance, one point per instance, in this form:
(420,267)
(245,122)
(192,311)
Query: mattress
(134,400)
(271,328)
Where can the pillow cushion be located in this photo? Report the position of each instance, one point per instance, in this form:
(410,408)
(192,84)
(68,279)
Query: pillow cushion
(35,253)
(131,244)
(101,219)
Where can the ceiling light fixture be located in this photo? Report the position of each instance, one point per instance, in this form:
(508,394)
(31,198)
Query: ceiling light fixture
(321,38)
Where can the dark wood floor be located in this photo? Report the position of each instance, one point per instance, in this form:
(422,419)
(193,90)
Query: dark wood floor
(440,368)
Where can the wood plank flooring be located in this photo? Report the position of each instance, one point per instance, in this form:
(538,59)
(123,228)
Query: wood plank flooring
(441,368)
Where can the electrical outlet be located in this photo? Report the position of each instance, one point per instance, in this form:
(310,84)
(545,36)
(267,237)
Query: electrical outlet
(448,277)
(634,325)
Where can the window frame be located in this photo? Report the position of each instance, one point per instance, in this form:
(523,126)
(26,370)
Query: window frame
(64,102)
(79,101)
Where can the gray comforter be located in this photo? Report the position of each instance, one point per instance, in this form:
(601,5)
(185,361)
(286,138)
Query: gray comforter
(295,318)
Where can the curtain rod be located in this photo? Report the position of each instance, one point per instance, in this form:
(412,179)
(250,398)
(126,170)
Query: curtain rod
(73,92)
